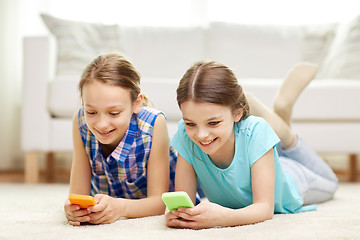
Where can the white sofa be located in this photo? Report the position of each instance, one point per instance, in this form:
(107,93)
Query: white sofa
(326,115)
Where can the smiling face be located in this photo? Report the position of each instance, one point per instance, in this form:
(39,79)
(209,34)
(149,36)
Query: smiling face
(108,110)
(211,127)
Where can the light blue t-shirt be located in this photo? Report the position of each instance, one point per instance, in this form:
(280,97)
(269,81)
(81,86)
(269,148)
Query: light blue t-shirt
(231,187)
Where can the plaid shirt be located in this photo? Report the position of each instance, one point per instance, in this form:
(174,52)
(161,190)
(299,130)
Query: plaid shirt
(123,172)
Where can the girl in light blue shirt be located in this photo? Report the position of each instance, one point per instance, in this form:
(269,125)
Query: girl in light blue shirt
(235,156)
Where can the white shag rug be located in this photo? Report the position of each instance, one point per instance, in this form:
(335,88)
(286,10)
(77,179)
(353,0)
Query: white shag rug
(36,212)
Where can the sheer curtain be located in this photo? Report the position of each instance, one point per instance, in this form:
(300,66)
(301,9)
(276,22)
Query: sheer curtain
(19,18)
(10,90)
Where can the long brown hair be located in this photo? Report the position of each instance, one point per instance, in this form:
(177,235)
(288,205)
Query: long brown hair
(212,82)
(115,70)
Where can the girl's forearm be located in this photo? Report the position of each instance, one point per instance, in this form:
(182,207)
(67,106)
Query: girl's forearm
(135,208)
(254,213)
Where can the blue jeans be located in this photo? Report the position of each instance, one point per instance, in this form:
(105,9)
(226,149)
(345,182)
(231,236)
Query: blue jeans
(314,178)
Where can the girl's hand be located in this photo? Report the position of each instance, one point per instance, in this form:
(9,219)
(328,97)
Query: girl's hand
(74,214)
(204,215)
(107,209)
(169,217)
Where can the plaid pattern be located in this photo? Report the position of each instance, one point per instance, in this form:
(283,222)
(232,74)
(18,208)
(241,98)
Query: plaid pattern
(123,172)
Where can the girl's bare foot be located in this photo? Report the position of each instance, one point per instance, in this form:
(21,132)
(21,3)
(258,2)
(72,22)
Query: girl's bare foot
(294,83)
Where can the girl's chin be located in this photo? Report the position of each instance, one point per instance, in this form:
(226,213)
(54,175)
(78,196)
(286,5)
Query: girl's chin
(106,140)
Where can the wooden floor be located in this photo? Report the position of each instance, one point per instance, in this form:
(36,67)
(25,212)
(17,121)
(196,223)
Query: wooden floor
(64,177)
(344,176)
(18,177)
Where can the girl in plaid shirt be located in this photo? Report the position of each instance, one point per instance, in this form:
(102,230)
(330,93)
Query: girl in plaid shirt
(121,152)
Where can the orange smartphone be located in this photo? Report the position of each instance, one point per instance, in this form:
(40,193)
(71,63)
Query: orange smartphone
(84,201)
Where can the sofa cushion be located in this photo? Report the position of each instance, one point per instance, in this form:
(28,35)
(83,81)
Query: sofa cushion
(63,97)
(79,42)
(257,51)
(164,52)
(325,101)
(154,51)
(162,93)
(317,40)
(343,58)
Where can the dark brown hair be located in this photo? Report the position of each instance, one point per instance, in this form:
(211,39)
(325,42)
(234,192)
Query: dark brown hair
(212,82)
(115,70)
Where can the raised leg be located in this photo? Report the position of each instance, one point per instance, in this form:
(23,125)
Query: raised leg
(281,128)
(294,83)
